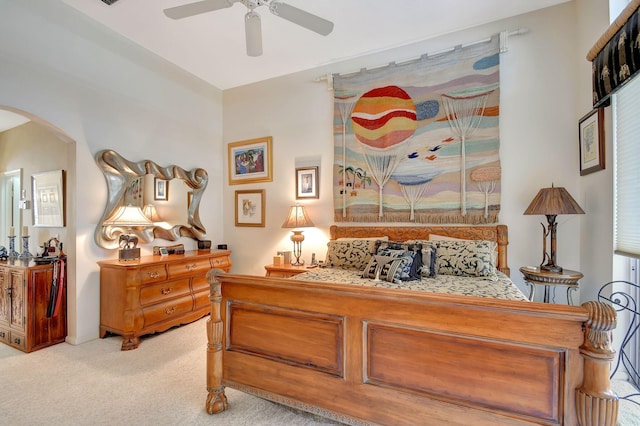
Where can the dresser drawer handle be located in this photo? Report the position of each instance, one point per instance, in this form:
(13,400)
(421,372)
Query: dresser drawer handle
(191,267)
(166,291)
(154,274)
(16,340)
(170,311)
(3,334)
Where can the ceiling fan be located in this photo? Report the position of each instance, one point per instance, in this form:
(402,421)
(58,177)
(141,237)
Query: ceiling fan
(253,28)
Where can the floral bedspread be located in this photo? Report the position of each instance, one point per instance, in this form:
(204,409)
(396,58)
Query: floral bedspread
(500,288)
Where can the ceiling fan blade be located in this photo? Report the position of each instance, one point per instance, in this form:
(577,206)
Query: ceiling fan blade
(253,33)
(302,18)
(197,8)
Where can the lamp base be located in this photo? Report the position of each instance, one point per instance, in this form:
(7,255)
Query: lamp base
(126,254)
(551,268)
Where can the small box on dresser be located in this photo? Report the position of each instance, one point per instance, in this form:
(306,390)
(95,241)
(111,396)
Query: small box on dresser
(155,293)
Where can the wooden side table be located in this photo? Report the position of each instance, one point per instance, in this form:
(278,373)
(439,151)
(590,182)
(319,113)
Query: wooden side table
(535,276)
(285,270)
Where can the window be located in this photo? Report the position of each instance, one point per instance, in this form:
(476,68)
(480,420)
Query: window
(627,170)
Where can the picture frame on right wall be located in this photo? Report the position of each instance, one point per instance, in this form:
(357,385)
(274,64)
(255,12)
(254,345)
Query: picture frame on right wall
(592,143)
(307,183)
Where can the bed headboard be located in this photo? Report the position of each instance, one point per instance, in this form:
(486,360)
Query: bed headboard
(497,233)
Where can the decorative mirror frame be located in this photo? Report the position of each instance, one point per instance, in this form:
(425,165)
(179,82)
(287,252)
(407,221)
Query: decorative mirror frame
(119,173)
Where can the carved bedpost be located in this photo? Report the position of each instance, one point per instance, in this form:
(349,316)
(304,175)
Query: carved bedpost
(216,398)
(596,403)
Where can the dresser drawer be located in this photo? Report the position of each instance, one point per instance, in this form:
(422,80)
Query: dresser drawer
(4,335)
(221,262)
(190,267)
(154,293)
(152,274)
(199,283)
(167,310)
(201,300)
(17,340)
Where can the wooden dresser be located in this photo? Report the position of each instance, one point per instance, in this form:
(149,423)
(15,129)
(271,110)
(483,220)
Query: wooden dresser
(25,293)
(155,293)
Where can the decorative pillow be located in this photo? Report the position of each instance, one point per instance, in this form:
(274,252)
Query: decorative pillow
(428,268)
(351,254)
(435,237)
(385,265)
(465,258)
(411,254)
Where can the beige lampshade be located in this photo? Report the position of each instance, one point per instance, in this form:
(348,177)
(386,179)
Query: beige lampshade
(151,212)
(553,201)
(128,216)
(297,218)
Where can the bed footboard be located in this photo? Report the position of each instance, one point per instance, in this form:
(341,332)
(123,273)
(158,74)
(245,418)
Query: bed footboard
(391,357)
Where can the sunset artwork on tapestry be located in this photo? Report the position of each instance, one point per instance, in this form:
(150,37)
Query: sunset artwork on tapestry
(419,142)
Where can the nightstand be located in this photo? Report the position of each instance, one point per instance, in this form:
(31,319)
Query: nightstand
(535,276)
(285,270)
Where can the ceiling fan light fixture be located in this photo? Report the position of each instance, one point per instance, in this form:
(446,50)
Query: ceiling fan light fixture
(253,33)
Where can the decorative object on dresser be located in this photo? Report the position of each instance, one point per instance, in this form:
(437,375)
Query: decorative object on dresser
(128,217)
(537,276)
(32,316)
(297,218)
(552,202)
(155,293)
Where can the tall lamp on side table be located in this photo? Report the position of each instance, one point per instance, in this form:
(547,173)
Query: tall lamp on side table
(551,202)
(297,218)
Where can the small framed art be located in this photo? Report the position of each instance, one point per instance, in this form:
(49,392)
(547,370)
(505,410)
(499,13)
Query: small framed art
(250,207)
(591,135)
(250,161)
(161,189)
(307,183)
(48,199)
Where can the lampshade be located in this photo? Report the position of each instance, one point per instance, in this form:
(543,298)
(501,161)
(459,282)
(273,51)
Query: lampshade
(128,216)
(297,218)
(553,201)
(151,212)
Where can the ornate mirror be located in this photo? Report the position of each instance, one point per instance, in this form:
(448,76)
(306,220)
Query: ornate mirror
(166,192)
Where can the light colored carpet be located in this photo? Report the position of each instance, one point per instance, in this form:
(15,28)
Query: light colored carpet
(160,383)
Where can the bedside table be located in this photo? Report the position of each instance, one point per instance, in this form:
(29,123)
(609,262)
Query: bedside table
(285,270)
(535,276)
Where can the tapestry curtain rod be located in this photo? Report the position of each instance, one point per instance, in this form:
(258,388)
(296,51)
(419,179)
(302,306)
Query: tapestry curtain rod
(504,42)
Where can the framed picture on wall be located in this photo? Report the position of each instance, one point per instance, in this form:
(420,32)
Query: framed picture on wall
(161,189)
(250,161)
(48,199)
(250,207)
(592,148)
(307,183)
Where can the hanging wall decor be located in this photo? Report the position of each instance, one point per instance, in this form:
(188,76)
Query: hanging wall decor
(419,141)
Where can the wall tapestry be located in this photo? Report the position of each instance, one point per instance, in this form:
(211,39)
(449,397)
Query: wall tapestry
(419,141)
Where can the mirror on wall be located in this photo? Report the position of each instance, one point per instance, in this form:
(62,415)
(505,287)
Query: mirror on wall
(169,197)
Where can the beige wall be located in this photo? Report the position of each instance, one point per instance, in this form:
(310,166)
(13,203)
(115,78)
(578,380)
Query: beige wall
(544,81)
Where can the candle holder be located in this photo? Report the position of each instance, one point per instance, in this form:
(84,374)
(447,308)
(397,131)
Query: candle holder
(25,248)
(12,248)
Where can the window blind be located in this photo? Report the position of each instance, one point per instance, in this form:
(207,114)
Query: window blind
(627,170)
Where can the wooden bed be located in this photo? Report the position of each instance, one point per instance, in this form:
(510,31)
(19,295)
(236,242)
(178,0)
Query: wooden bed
(384,356)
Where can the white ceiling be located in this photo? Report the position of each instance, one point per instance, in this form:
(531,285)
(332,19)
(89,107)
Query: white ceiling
(212,46)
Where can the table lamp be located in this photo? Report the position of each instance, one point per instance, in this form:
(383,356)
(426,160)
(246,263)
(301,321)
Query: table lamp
(128,217)
(297,218)
(552,202)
